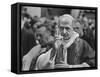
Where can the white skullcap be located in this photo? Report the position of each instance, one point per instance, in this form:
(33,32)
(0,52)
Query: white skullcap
(66,18)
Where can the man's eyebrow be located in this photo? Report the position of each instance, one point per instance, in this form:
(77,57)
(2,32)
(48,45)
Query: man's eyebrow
(39,26)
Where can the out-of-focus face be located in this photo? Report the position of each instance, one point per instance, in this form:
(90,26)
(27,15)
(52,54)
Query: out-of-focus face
(78,28)
(42,35)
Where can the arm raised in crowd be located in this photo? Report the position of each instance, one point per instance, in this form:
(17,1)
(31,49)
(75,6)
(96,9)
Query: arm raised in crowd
(33,53)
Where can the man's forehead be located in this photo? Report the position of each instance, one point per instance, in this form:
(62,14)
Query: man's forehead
(66,26)
(63,25)
(41,29)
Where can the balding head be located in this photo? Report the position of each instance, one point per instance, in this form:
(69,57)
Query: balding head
(65,20)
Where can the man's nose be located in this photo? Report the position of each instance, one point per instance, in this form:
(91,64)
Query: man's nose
(64,30)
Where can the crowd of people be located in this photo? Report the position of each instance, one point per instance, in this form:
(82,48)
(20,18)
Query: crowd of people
(57,42)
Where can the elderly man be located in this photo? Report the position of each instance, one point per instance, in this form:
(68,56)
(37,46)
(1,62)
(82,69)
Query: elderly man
(79,53)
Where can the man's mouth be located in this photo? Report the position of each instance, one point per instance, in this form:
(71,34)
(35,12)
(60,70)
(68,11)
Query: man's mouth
(66,36)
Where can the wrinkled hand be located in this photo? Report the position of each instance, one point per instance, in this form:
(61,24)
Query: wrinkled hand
(58,43)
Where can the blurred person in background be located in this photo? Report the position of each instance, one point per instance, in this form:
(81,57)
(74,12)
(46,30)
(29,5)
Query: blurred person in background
(28,40)
(88,29)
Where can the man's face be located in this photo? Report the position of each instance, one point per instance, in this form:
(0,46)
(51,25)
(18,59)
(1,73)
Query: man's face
(42,35)
(78,28)
(65,31)
(65,27)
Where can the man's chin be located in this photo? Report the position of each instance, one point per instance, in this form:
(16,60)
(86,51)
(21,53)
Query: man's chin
(66,39)
(43,45)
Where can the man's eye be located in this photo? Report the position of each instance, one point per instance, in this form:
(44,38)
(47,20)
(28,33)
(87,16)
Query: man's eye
(76,28)
(38,36)
(61,28)
(39,26)
(67,28)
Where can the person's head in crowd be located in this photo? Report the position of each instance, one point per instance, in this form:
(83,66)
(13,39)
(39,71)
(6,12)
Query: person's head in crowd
(25,18)
(24,9)
(33,21)
(78,27)
(43,32)
(81,14)
(25,22)
(39,22)
(24,13)
(50,24)
(85,21)
(91,24)
(75,13)
(67,25)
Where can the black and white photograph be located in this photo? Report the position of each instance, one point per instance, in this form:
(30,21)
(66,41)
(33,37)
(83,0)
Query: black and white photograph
(49,38)
(53,37)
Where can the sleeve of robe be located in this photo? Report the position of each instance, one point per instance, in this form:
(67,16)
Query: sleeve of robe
(88,54)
